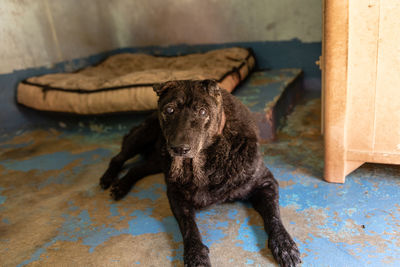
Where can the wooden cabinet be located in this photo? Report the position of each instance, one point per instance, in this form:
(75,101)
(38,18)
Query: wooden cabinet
(361,84)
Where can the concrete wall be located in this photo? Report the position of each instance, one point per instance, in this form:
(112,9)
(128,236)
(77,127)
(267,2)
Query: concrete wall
(37,33)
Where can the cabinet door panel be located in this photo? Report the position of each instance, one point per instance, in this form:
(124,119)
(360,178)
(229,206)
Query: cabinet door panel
(362,67)
(387,104)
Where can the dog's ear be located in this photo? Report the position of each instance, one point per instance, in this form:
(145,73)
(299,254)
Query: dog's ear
(212,87)
(161,88)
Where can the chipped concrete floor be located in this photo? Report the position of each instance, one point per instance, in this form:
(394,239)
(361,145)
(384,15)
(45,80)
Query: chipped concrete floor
(53,212)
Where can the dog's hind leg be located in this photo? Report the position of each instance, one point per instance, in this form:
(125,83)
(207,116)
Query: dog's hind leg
(122,186)
(265,200)
(136,141)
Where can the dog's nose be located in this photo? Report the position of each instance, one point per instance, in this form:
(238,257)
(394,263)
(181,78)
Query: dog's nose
(181,150)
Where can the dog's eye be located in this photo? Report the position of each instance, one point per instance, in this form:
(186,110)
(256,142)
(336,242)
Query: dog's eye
(203,112)
(169,110)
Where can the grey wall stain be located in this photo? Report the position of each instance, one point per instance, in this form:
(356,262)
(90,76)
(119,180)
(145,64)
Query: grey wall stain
(85,28)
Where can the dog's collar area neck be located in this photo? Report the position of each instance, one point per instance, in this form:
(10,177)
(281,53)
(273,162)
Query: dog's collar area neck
(222,123)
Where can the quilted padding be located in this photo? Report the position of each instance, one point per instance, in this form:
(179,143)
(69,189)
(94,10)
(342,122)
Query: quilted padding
(124,82)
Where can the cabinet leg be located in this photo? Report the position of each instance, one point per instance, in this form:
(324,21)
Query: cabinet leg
(336,171)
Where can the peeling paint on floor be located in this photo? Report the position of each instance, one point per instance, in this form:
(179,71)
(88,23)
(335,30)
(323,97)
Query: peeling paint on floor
(53,212)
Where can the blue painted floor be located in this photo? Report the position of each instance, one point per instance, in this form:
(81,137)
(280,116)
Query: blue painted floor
(53,212)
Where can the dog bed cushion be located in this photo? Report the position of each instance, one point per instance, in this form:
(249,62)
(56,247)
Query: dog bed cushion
(123,82)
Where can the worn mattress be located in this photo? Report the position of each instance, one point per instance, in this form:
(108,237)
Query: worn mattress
(123,82)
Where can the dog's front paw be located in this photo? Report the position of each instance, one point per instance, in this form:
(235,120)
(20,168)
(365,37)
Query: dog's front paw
(284,249)
(107,179)
(119,189)
(197,256)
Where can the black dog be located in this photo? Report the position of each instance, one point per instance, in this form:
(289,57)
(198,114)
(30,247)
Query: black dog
(205,142)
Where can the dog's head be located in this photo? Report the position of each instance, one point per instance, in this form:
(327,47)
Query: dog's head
(190,114)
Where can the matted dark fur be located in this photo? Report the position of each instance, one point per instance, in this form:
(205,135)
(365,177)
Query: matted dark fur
(205,142)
